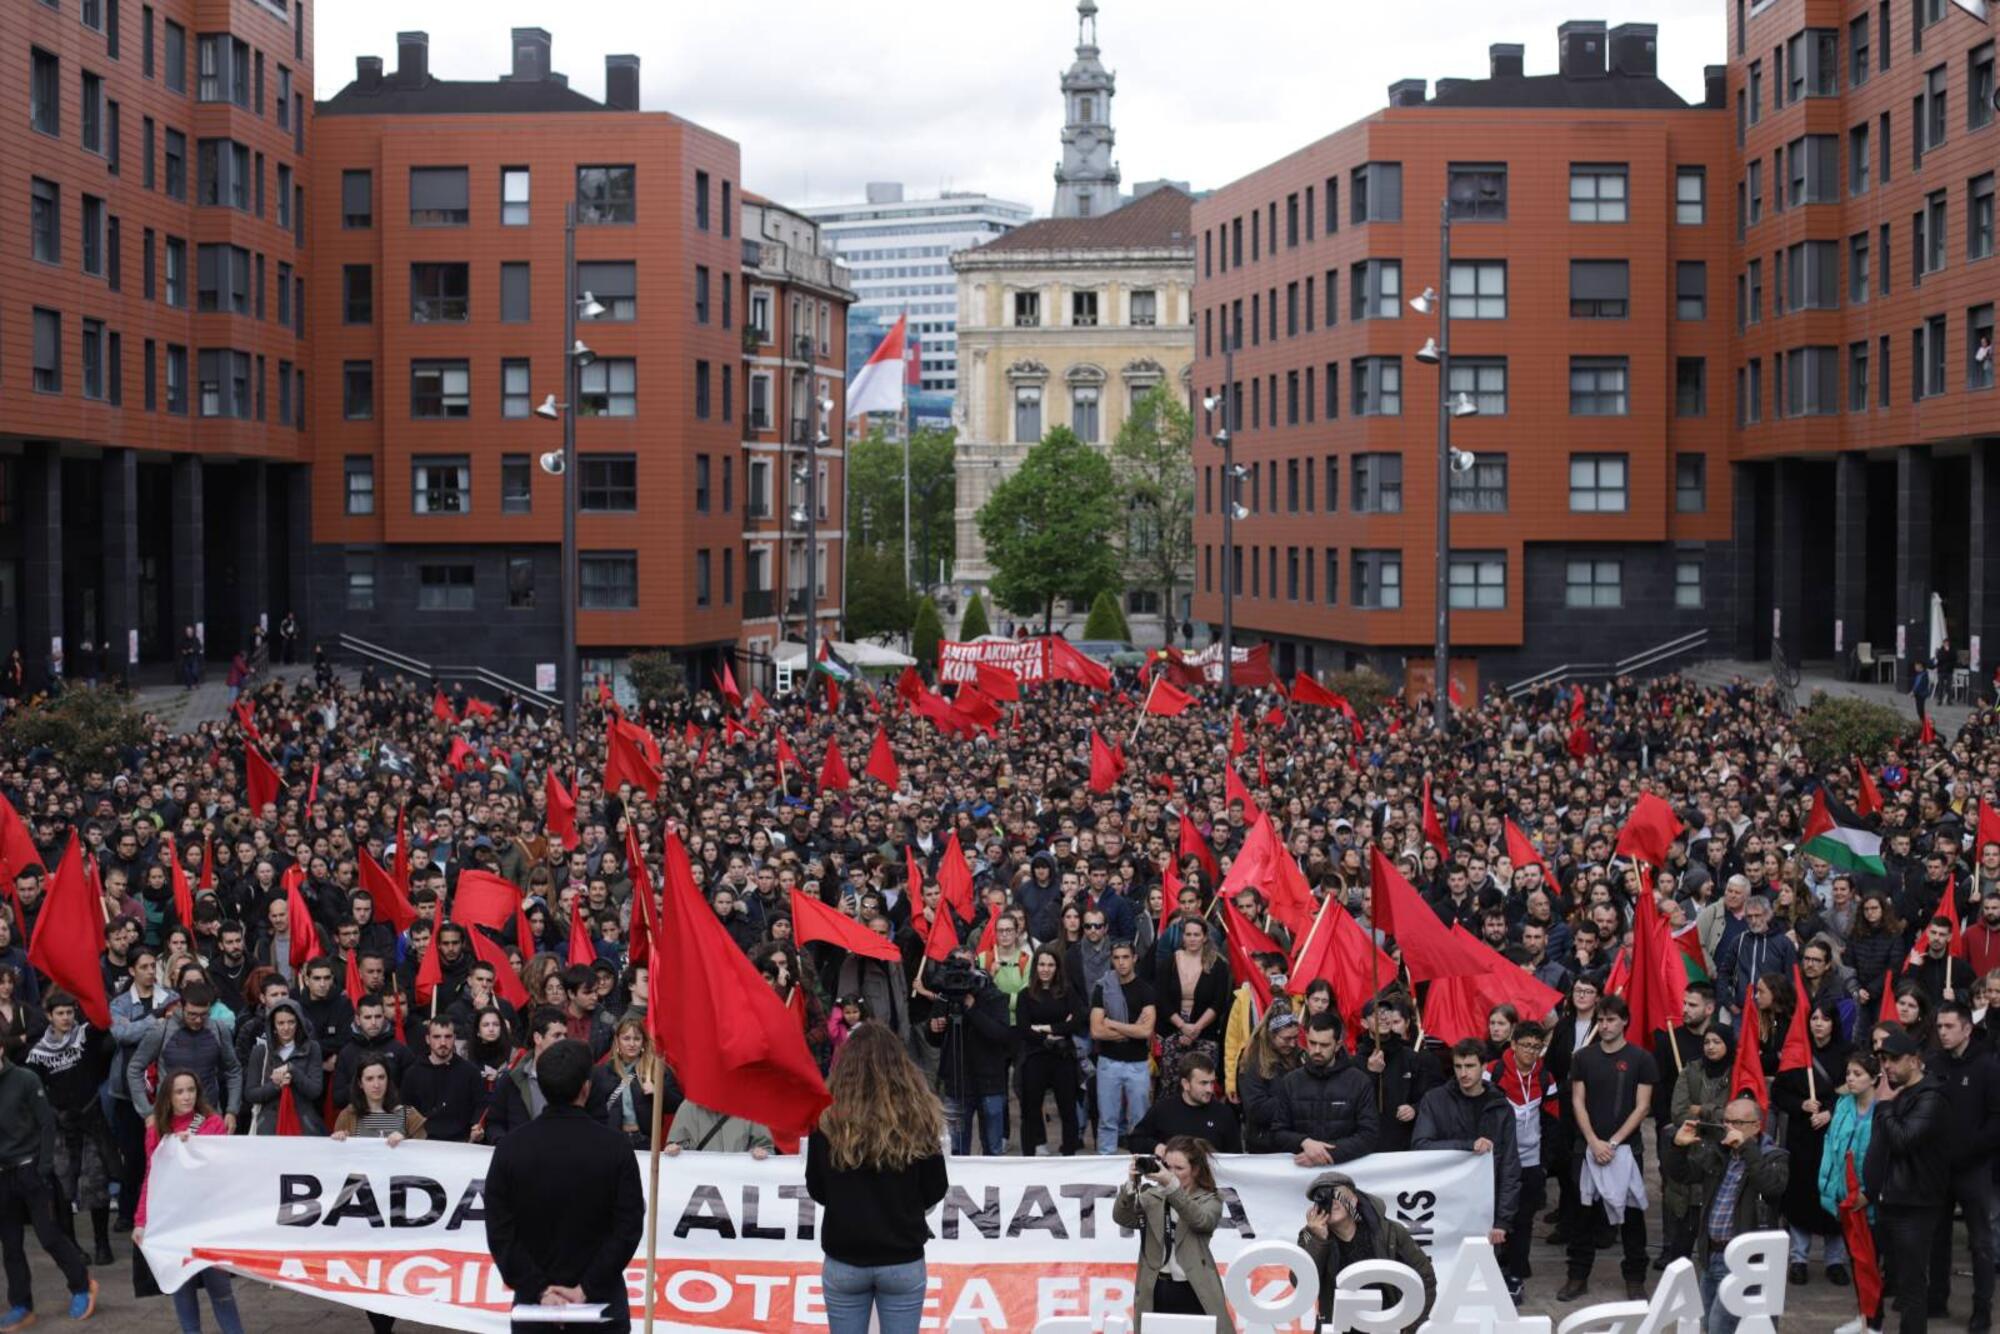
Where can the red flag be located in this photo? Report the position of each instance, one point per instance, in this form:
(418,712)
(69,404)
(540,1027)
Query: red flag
(1989,828)
(882,761)
(1947,908)
(1887,1012)
(506,982)
(1433,827)
(1503,983)
(701,759)
(754,705)
(1521,852)
(1868,798)
(1263,774)
(604,692)
(997,682)
(1455,1009)
(207,861)
(581,951)
(183,896)
(1195,846)
(813,920)
(645,903)
(1649,831)
(1168,700)
(561,820)
(1267,865)
(913,890)
(954,877)
(942,938)
(1428,949)
(312,787)
(1069,663)
(1928,736)
(289,1123)
(1860,1243)
(479,708)
(430,972)
(1796,1054)
(726,683)
(1338,950)
(261,779)
(786,755)
(833,775)
(1234,789)
(625,762)
(1307,690)
(1104,765)
(355,989)
(1246,938)
(68,946)
(731,729)
(1658,975)
(461,751)
(441,708)
(299,924)
(1238,743)
(910,685)
(1576,704)
(734,1045)
(246,719)
(484,899)
(1746,1075)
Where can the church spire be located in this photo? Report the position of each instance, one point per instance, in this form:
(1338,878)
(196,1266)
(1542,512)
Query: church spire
(1087,177)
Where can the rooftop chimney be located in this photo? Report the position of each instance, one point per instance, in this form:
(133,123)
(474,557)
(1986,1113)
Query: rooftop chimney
(621,83)
(1715,87)
(413,58)
(531,55)
(1582,43)
(1407,92)
(368,71)
(1448,88)
(1635,49)
(1509,60)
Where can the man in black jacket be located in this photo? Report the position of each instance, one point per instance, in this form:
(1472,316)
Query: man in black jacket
(1907,1173)
(444,1086)
(1324,1111)
(1470,1114)
(565,1211)
(1971,1081)
(1193,1110)
(371,1035)
(974,1042)
(1401,1073)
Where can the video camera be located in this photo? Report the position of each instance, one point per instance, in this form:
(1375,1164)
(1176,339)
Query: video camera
(953,980)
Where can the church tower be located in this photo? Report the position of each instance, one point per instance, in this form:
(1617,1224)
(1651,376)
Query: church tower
(1087,178)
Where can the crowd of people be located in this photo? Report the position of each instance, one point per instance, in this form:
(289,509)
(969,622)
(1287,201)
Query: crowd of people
(1087,995)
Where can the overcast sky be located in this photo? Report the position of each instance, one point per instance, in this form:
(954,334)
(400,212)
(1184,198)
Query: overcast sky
(963,94)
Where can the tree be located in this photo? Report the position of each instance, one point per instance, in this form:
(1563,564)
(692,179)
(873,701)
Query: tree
(1153,461)
(1832,729)
(1106,620)
(877,601)
(656,676)
(926,633)
(973,624)
(88,731)
(1048,528)
(875,498)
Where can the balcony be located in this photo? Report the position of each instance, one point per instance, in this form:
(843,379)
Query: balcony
(759,604)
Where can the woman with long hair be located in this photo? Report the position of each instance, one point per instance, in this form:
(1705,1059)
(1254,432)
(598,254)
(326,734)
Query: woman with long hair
(1807,1105)
(1047,1019)
(1193,1000)
(284,1056)
(1846,1138)
(1915,1011)
(875,1166)
(624,1081)
(1874,946)
(377,1111)
(1175,1208)
(1501,1021)
(182,1110)
(1272,1053)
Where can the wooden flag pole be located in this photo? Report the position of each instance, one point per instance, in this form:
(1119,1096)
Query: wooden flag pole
(1680,1063)
(653,1197)
(1143,706)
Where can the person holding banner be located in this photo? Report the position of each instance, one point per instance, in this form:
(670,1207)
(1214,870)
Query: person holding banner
(875,1165)
(1171,1200)
(183,1109)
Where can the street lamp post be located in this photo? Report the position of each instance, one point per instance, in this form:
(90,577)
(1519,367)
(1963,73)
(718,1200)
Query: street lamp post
(1225,437)
(563,465)
(1437,352)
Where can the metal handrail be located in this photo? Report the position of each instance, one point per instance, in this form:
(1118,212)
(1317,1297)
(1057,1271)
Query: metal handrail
(387,657)
(416,666)
(1573,671)
(505,685)
(1687,643)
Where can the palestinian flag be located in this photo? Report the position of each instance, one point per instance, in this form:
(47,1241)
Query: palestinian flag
(831,664)
(1688,945)
(1841,841)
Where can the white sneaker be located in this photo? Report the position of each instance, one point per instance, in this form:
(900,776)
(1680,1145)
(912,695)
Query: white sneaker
(1854,1326)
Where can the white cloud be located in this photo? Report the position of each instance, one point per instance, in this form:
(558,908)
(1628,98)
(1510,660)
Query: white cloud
(963,93)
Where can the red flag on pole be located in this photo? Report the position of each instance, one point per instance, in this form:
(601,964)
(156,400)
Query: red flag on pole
(786,755)
(997,682)
(430,972)
(1246,939)
(207,861)
(1860,1243)
(261,779)
(1868,797)
(484,899)
(581,951)
(1104,764)
(625,762)
(1649,831)
(833,774)
(1238,743)
(1521,852)
(1195,846)
(402,862)
(1433,827)
(645,903)
(183,896)
(1307,690)
(506,982)
(68,946)
(299,924)
(1338,950)
(561,820)
(1428,949)
(813,920)
(1167,700)
(441,707)
(954,877)
(1886,1014)
(1234,789)
(1796,1054)
(1746,1075)
(355,989)
(942,937)
(1267,865)
(726,682)
(882,761)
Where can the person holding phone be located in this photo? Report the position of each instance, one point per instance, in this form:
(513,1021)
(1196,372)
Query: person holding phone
(1172,1201)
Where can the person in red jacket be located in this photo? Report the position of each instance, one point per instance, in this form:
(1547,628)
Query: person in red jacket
(1982,938)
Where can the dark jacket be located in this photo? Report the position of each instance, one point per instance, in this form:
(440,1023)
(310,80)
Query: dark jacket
(873,1216)
(1258,1097)
(1407,1075)
(308,1080)
(27,1122)
(564,1205)
(1447,1119)
(1171,1115)
(1700,1167)
(1972,1098)
(359,1046)
(1376,1237)
(1335,1105)
(978,1047)
(450,1095)
(1909,1156)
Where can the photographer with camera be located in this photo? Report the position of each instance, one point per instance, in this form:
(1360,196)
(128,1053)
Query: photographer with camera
(1172,1201)
(1343,1226)
(970,1028)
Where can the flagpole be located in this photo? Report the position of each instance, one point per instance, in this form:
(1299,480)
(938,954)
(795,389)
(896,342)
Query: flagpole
(653,1199)
(1146,704)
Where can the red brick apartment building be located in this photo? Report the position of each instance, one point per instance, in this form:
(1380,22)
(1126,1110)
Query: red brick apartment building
(1713,347)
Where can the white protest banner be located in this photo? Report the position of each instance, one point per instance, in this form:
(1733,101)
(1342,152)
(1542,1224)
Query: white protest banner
(1028,659)
(1018,1240)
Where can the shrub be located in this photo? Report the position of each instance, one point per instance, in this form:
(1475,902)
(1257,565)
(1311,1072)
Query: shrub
(1106,621)
(973,624)
(85,730)
(1366,689)
(1833,728)
(656,675)
(926,633)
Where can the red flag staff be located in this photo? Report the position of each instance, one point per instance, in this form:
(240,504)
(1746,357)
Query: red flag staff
(1145,707)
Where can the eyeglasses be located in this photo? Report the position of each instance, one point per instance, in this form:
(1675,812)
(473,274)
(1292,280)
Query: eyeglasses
(1749,1121)
(1093,926)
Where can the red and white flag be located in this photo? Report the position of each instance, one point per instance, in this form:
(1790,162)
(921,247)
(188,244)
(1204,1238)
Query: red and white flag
(878,386)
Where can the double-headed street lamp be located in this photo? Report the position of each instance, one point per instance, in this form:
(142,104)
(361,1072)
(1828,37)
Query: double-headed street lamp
(1437,352)
(807,513)
(1232,510)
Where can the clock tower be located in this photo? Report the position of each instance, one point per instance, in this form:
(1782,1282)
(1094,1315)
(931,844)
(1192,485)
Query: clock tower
(1087,177)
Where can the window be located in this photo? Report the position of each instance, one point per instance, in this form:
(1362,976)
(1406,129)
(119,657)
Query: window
(606,195)
(224,376)
(1597,387)
(1377,287)
(93,113)
(360,470)
(1815,169)
(614,285)
(224,174)
(1857,51)
(1857,376)
(1597,192)
(176,279)
(1145,308)
(1477,580)
(1927,348)
(357,390)
(1083,417)
(514,196)
(1979,87)
(357,292)
(1687,582)
(1485,379)
(1812,276)
(48,351)
(93,359)
(1858,158)
(609,387)
(1482,488)
(1597,483)
(177,379)
(1691,290)
(516,484)
(284,196)
(1756,193)
(1691,196)
(44,91)
(1378,483)
(45,220)
(222,279)
(1378,579)
(1979,347)
(1378,386)
(357,199)
(225,69)
(1930,227)
(1756,91)
(1815,63)
(514,305)
(1931,120)
(440,484)
(175,57)
(1027,310)
(1753,397)
(440,390)
(1857,268)
(442,293)
(1979,217)
(1377,193)
(360,581)
(439,197)
(445,588)
(1812,381)
(1478,289)
(608,484)
(701,580)
(1599,289)
(1083,308)
(284,95)
(1594,583)
(173,148)
(701,200)
(1691,387)
(516,388)
(1027,414)
(520,583)
(1477,191)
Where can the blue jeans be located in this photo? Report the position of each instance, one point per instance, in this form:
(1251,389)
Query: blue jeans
(1720,1320)
(991,1109)
(895,1293)
(1801,1249)
(221,1296)
(1122,1088)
